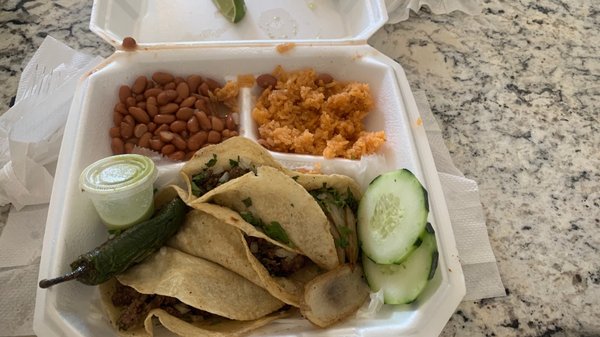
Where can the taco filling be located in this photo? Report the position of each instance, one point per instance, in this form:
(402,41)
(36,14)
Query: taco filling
(276,205)
(210,178)
(340,209)
(135,307)
(272,229)
(278,261)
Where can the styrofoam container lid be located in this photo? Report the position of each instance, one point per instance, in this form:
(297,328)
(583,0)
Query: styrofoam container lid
(181,22)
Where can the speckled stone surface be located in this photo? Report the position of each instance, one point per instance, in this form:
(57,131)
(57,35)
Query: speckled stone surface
(517,93)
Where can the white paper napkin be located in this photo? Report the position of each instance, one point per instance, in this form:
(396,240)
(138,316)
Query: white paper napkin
(28,153)
(29,149)
(21,240)
(482,277)
(398,10)
(17,303)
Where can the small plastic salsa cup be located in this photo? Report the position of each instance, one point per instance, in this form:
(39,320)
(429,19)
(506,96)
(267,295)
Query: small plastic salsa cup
(121,188)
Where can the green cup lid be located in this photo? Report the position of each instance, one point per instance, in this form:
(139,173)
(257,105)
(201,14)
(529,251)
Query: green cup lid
(118,174)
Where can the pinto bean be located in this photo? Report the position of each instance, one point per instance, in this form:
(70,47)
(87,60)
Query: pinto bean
(164,119)
(196,141)
(153,92)
(183,91)
(217,123)
(167,149)
(117,145)
(230,123)
(179,142)
(155,143)
(212,84)
(325,78)
(121,108)
(139,85)
(203,120)
(192,125)
(115,131)
(166,96)
(184,114)
(124,93)
(266,80)
(193,82)
(188,102)
(178,126)
(130,101)
(126,130)
(166,136)
(203,89)
(162,78)
(140,130)
(177,155)
(170,109)
(144,140)
(139,114)
(214,137)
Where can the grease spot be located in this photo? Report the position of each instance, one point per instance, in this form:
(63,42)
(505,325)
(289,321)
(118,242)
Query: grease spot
(278,24)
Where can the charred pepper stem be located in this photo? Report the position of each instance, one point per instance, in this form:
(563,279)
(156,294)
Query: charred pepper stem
(117,254)
(67,277)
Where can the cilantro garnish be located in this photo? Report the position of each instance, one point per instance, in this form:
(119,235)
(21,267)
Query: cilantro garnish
(276,232)
(195,189)
(249,218)
(212,162)
(197,181)
(325,195)
(342,242)
(234,163)
(329,195)
(344,231)
(272,230)
(351,201)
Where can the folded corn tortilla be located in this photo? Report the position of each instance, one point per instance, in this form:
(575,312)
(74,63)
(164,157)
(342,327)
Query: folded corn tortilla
(219,158)
(237,304)
(213,327)
(217,234)
(201,284)
(341,215)
(340,182)
(272,196)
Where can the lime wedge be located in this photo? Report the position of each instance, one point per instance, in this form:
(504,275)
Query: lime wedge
(233,10)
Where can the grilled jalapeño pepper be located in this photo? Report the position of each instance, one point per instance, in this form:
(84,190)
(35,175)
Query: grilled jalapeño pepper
(132,246)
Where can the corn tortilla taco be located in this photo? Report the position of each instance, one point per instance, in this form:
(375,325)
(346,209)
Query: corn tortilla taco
(338,197)
(214,165)
(275,204)
(186,293)
(213,232)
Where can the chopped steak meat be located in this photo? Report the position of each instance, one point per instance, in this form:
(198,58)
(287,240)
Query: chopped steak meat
(208,180)
(236,172)
(124,295)
(135,307)
(278,261)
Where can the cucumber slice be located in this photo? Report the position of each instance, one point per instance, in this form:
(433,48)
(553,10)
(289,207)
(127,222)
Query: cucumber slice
(391,215)
(402,283)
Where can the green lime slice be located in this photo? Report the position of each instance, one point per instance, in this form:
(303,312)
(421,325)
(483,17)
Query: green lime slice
(233,10)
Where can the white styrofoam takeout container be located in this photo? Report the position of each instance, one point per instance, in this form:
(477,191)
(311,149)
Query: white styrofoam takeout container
(191,37)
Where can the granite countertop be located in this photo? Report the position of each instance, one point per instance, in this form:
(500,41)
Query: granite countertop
(516,91)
